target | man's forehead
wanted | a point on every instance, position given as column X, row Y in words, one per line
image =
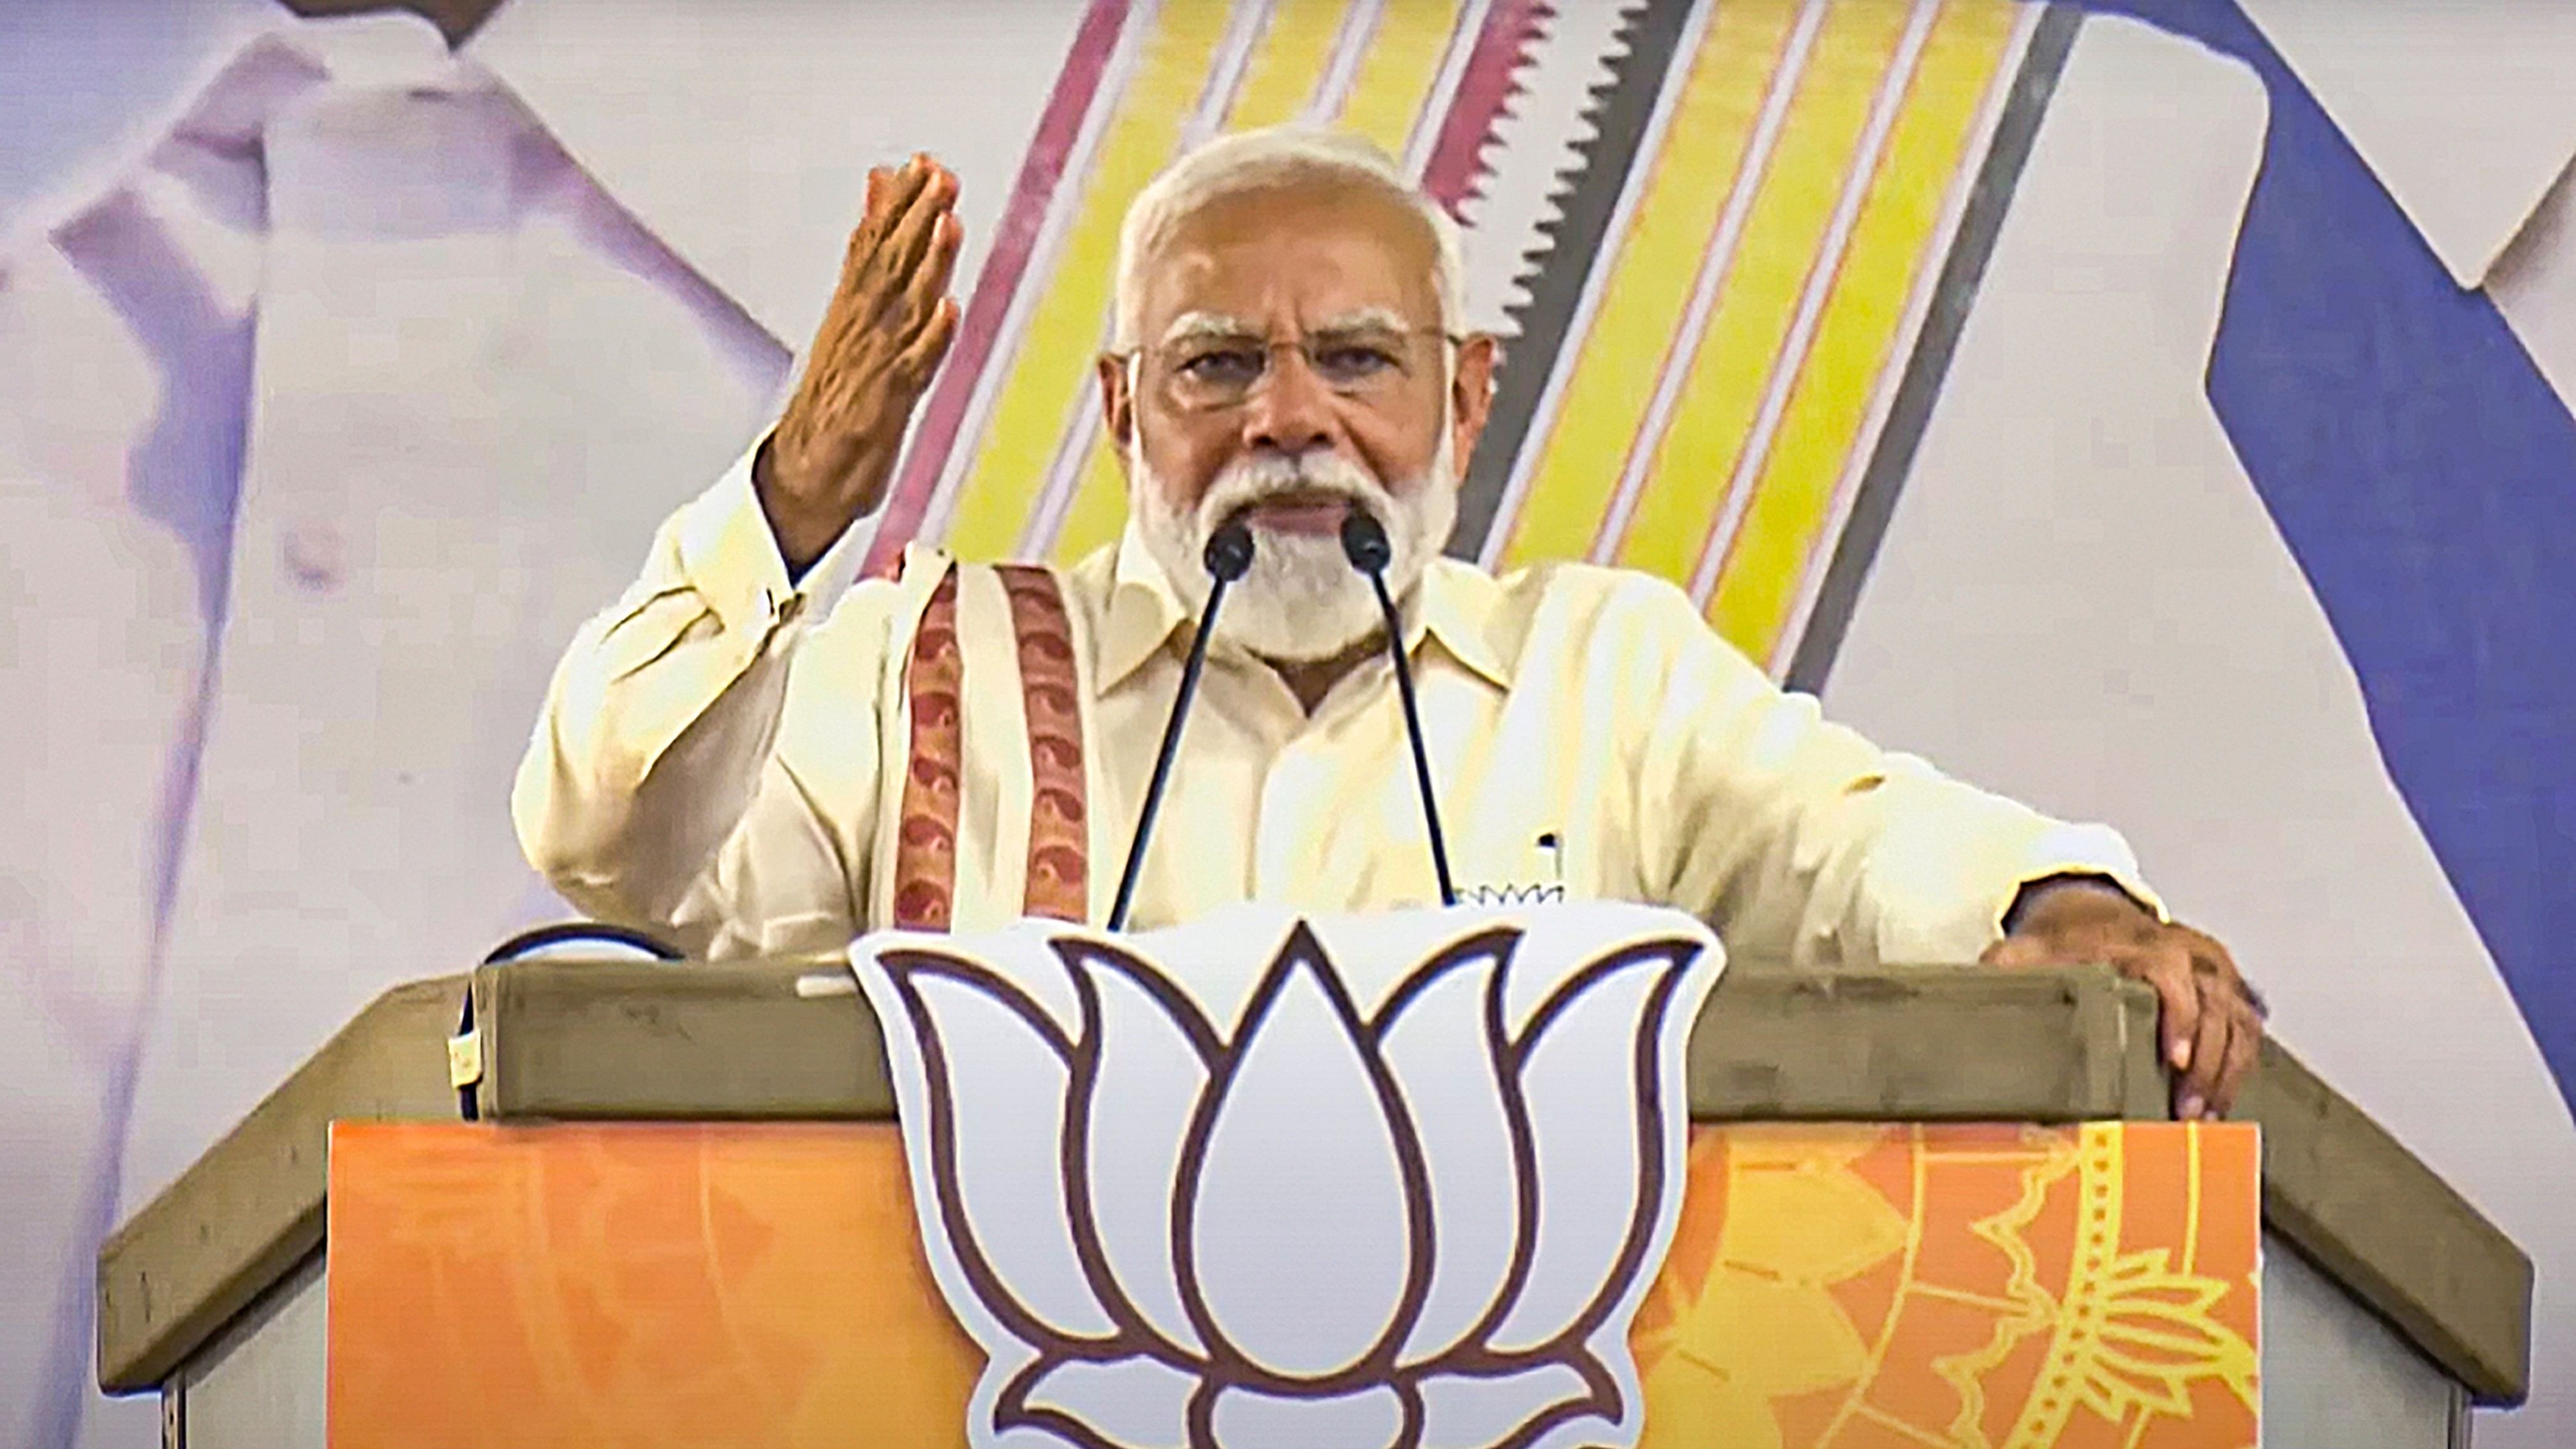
column 1330, row 250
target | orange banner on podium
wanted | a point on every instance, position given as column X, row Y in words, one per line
column 1987, row 1287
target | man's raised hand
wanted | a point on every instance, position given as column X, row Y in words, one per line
column 889, row 324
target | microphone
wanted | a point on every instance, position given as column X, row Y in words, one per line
column 1364, row 543
column 1228, row 557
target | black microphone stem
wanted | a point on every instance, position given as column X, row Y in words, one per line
column 1413, row 732
column 1227, row 556
column 1364, row 543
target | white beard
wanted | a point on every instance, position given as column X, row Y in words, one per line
column 1302, row 600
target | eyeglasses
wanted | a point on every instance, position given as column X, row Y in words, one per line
column 1214, row 371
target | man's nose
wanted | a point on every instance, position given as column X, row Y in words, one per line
column 1292, row 411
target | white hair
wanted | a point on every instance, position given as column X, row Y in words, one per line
column 1250, row 161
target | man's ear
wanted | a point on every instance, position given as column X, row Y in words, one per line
column 1117, row 402
column 1471, row 393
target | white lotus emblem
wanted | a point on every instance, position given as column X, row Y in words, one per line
column 1215, row 1187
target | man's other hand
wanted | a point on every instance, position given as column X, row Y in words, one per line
column 889, row 324
column 2212, row 1021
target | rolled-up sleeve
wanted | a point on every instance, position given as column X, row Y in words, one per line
column 652, row 791
column 1804, row 843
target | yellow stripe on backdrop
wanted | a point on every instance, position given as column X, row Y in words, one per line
column 1296, row 48
column 1850, row 361
column 1047, row 370
column 1632, row 333
column 1399, row 68
column 1782, row 257
column 1385, row 99
column 1780, row 248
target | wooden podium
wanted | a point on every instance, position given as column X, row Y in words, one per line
column 1930, row 1206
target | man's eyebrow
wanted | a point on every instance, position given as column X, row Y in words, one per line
column 1203, row 326
column 1195, row 326
column 1365, row 319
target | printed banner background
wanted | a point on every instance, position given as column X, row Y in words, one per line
column 2151, row 408
column 1829, row 1288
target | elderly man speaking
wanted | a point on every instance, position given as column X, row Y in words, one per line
column 964, row 744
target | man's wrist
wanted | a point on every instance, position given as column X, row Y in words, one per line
column 797, row 548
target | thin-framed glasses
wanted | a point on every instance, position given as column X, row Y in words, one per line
column 1208, row 372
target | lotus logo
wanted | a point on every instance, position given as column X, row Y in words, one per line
column 1217, row 1187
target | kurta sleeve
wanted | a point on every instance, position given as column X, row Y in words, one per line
column 659, row 787
column 1804, row 843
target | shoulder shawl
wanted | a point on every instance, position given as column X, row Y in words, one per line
column 989, row 818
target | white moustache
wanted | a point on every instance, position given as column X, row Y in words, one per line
column 1301, row 598
column 1251, row 481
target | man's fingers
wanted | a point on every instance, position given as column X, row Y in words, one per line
column 910, row 196
column 2016, row 953
column 913, row 247
column 2167, row 968
column 2244, row 1049
column 871, row 228
column 919, row 224
column 907, row 182
column 890, row 191
column 920, row 356
column 869, row 214
column 929, row 281
column 2203, row 1087
column 2226, row 995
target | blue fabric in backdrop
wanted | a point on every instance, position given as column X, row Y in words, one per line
column 2423, row 473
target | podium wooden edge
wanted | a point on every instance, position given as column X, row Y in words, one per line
column 2378, row 1221
column 771, row 1040
column 251, row 1207
column 790, row 1039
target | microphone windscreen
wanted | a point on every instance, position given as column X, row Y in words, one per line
column 1228, row 555
column 1364, row 541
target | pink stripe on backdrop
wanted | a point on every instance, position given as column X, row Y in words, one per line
column 1457, row 157
column 1005, row 268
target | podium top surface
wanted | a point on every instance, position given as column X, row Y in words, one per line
column 563, row 1040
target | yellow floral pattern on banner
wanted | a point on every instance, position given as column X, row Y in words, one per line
column 1978, row 1287
column 1846, row 1287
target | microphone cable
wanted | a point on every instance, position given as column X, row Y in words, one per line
column 1228, row 557
column 530, row 943
column 1365, row 544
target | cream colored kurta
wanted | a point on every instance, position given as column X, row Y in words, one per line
column 713, row 761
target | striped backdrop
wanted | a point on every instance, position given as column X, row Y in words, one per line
column 1008, row 462
column 1742, row 329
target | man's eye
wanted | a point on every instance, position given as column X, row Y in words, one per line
column 1222, row 365
column 1354, row 360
